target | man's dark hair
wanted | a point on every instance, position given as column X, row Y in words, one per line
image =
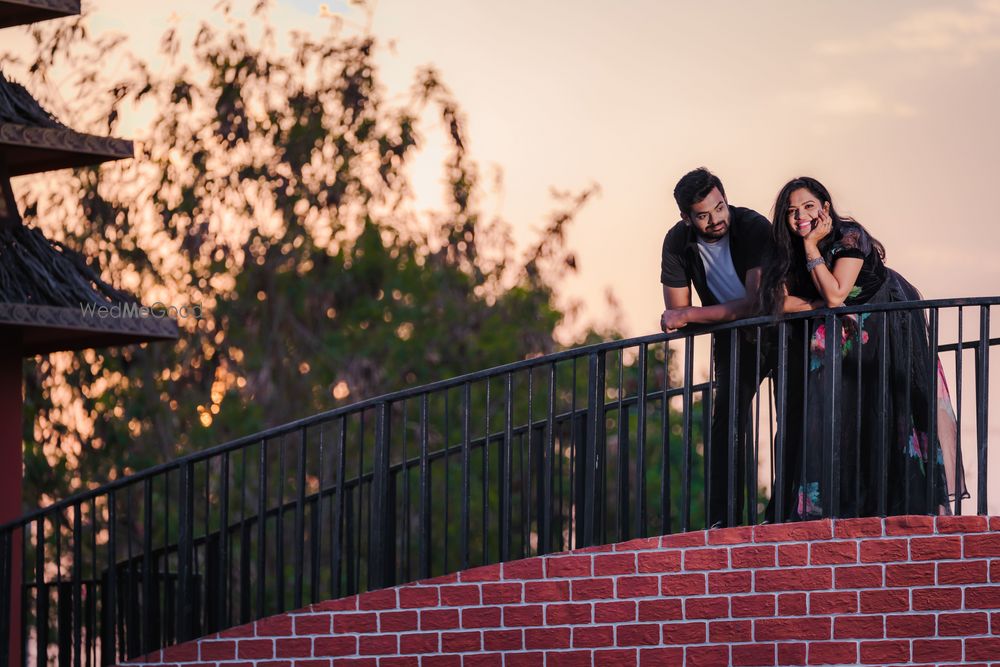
column 693, row 187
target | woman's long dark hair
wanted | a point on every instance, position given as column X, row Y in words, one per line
column 785, row 268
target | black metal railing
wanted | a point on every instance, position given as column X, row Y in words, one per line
column 592, row 445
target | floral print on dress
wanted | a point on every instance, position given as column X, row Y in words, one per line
column 849, row 326
column 808, row 501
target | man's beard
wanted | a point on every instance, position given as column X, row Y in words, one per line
column 719, row 232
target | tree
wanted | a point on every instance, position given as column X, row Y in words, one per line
column 270, row 194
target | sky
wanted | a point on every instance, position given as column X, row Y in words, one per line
column 891, row 104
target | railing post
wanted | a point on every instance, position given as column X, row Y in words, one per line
column 185, row 548
column 831, row 422
column 380, row 569
column 592, row 465
column 982, row 406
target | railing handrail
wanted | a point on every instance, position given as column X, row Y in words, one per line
column 512, row 367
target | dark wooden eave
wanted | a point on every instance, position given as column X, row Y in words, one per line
column 45, row 329
column 31, row 150
column 23, row 12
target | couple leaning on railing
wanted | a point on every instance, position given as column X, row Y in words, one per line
column 895, row 451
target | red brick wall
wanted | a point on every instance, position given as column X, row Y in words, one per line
column 904, row 590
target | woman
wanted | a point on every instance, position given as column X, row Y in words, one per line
column 880, row 449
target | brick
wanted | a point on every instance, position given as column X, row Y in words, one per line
column 659, row 561
column 639, row 544
column 378, row 644
column 287, row 647
column 874, row 602
column 995, row 571
column 692, row 539
column 909, row 525
column 962, row 624
column 388, row 621
column 792, row 604
column 935, row 548
column 791, row 654
column 647, row 634
column 399, row 661
column 568, row 566
column 439, row 619
column 790, row 555
column 737, row 535
column 982, row 597
column 355, row 622
column 523, row 615
column 937, row 650
column 481, row 573
column 638, row 586
column 338, row 662
column 419, row 642
column 706, row 559
column 685, row 633
column 503, row 640
column 936, row 598
column 833, row 553
column 546, row 591
column 666, row 609
column 982, row 648
column 730, row 582
column 791, row 628
column 568, row 614
column 860, row 576
column 730, row 632
column 858, row 627
column 982, row 546
column 459, row 596
column 655, row 657
column 529, row 568
column 546, row 638
column 440, row 580
column 275, row 626
column 794, row 532
column 592, row 589
column 461, row 642
column 314, row 624
column 481, row 617
column 614, row 612
column 706, row 656
column 880, row 653
column 884, row 551
column 482, row 660
column 334, row 646
column 837, row 602
column 383, row 599
column 440, row 661
column 226, row 650
column 614, row 656
column 961, row 524
column 752, row 655
column 910, row 625
column 752, row 557
column 594, row 636
column 569, row 659
column 963, row 572
column 505, row 593
column 417, row 597
column 609, row 564
column 908, row 575
column 864, row 527
column 793, row 579
column 752, row 605
column 706, row 607
column 683, row 584
column 827, row 653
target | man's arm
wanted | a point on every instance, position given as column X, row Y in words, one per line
column 680, row 312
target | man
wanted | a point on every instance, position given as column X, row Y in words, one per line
column 720, row 250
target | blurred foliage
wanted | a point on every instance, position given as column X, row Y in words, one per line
column 270, row 189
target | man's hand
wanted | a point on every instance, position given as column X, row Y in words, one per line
column 673, row 319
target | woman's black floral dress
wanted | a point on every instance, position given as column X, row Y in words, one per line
column 866, row 418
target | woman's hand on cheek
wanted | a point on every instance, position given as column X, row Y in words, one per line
column 824, row 225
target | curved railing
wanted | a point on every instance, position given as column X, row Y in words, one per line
column 591, row 445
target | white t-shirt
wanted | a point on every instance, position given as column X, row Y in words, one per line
column 720, row 274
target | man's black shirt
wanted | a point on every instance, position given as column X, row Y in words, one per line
column 749, row 241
